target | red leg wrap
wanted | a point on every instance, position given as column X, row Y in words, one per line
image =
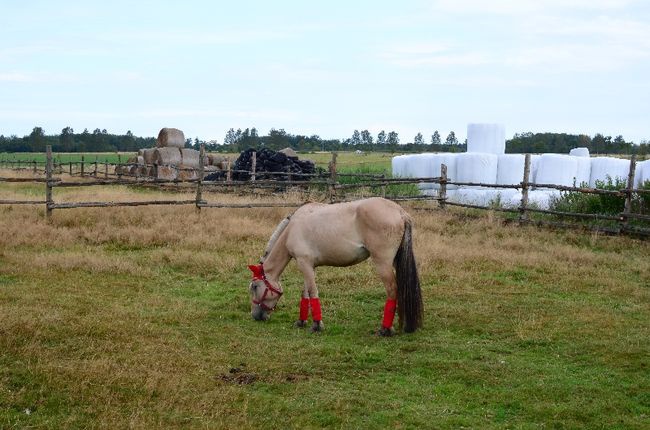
column 316, row 314
column 389, row 313
column 304, row 309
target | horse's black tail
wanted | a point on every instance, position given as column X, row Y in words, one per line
column 409, row 296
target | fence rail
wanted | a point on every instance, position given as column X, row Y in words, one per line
column 328, row 182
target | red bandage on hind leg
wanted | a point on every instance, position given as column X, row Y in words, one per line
column 304, row 309
column 389, row 313
column 316, row 314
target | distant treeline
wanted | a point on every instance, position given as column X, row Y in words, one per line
column 239, row 140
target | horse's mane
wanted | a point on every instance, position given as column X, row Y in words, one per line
column 274, row 237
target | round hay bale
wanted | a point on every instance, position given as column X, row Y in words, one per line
column 289, row 152
column 167, row 156
column 190, row 158
column 216, row 160
column 148, row 155
column 170, row 137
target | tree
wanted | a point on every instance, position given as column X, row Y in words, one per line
column 356, row 138
column 66, row 139
column 393, row 139
column 451, row 139
column 381, row 138
column 36, row 140
column 418, row 139
column 366, row 138
column 435, row 138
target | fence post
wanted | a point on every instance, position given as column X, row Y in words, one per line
column 443, row 186
column 48, row 182
column 228, row 171
column 199, row 184
column 34, row 166
column 254, row 166
column 383, row 185
column 523, row 215
column 82, row 166
column 106, row 170
column 628, row 194
column 332, row 168
column 95, row 172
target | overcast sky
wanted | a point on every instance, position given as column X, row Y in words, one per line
column 326, row 68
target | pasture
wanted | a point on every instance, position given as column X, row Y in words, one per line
column 140, row 318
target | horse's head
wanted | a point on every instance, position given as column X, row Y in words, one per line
column 264, row 295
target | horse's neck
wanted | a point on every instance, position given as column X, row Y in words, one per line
column 277, row 259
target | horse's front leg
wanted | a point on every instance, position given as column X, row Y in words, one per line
column 304, row 308
column 309, row 297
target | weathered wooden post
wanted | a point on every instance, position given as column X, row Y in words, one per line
column 442, row 195
column 525, row 184
column 383, row 185
column 228, row 171
column 70, row 168
column 628, row 194
column 106, row 170
column 82, row 165
column 254, row 166
column 48, row 182
column 33, row 166
column 95, row 171
column 332, row 169
column 199, row 184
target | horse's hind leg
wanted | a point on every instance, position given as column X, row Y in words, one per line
column 385, row 270
column 310, row 291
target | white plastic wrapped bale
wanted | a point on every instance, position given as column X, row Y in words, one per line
column 542, row 199
column 604, row 167
column 510, row 169
column 482, row 197
column 534, row 165
column 557, row 169
column 583, row 175
column 579, row 152
column 486, row 138
column 419, row 166
column 447, row 159
column 642, row 174
column 476, row 168
column 398, row 165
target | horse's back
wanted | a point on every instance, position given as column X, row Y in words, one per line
column 345, row 233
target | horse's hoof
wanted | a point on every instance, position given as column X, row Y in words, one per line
column 386, row 332
column 317, row 326
column 300, row 324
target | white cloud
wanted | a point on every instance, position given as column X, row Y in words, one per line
column 518, row 7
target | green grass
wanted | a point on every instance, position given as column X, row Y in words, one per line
column 139, row 318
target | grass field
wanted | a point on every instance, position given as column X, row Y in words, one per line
column 139, row 318
column 346, row 161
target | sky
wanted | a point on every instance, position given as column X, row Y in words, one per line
column 326, row 67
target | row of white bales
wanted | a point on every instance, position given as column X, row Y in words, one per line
column 575, row 169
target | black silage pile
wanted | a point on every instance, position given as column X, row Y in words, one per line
column 269, row 161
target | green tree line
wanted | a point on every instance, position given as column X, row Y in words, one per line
column 362, row 140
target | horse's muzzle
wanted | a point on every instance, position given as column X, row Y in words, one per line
column 259, row 314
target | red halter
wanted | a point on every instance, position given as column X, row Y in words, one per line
column 259, row 275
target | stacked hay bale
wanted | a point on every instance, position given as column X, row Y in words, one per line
column 169, row 160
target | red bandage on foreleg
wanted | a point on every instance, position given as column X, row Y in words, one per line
column 389, row 313
column 316, row 314
column 304, row 309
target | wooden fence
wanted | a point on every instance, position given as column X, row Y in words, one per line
column 330, row 182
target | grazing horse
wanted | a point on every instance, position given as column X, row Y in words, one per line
column 342, row 234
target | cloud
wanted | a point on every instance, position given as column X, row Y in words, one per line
column 509, row 7
column 15, row 77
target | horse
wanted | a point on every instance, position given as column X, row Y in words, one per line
column 342, row 234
